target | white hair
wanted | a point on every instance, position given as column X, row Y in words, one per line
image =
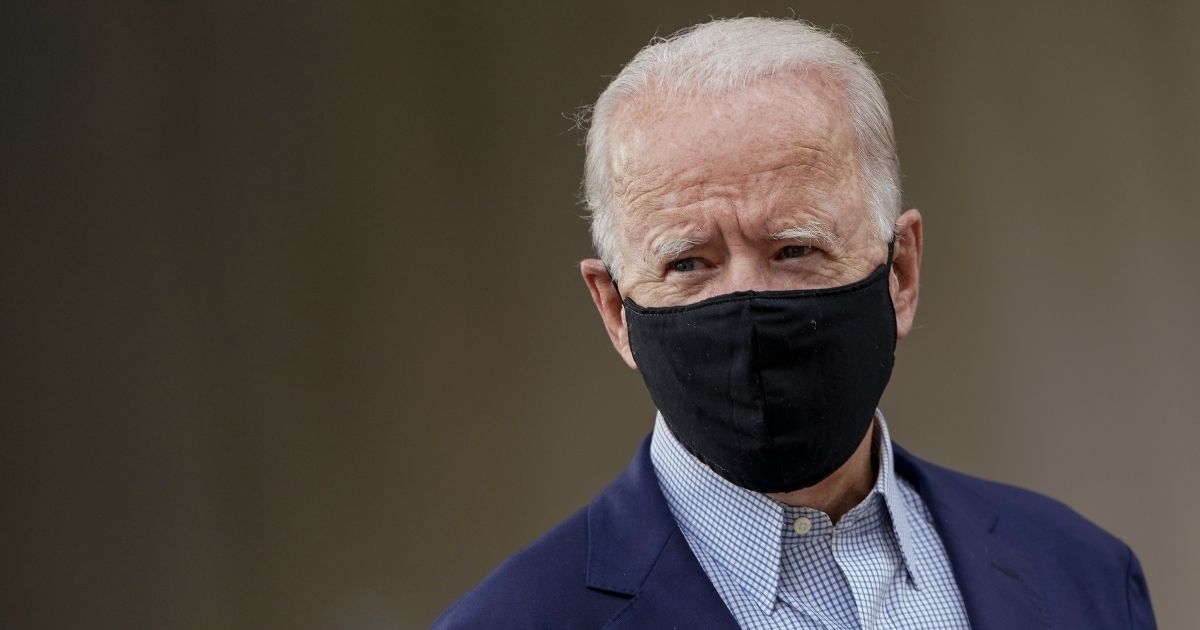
column 721, row 56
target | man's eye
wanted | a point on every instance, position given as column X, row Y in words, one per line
column 795, row 251
column 685, row 264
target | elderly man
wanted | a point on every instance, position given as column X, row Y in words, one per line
column 756, row 268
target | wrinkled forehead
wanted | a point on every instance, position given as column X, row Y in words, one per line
column 669, row 144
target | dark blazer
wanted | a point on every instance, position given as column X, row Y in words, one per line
column 1022, row 562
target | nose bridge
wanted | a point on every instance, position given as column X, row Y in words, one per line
column 747, row 272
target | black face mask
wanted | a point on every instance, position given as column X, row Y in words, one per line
column 774, row 390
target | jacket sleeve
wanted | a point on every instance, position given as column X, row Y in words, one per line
column 1141, row 615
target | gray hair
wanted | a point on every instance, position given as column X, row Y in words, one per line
column 719, row 57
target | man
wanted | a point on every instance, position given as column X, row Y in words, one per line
column 756, row 268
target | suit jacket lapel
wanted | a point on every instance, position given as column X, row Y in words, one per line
column 994, row 576
column 676, row 594
column 636, row 549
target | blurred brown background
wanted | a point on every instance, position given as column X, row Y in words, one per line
column 293, row 335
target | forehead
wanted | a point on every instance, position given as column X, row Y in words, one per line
column 793, row 129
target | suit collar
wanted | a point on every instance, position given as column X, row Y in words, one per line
column 994, row 575
column 636, row 549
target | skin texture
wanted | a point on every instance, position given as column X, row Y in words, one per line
column 754, row 190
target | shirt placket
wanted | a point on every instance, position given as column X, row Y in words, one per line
column 811, row 580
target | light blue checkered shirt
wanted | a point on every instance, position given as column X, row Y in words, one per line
column 775, row 566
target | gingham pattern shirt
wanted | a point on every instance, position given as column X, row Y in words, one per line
column 775, row 566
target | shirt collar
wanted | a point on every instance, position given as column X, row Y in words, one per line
column 742, row 530
column 887, row 486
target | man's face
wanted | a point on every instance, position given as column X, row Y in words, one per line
column 756, row 190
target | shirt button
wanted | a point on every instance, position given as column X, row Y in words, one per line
column 802, row 525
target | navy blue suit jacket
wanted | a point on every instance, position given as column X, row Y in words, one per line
column 1022, row 562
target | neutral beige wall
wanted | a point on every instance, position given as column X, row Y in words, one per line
column 293, row 333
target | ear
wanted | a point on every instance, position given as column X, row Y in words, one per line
column 906, row 270
column 608, row 302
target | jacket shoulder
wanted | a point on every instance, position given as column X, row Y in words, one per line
column 1034, row 514
column 1085, row 569
column 542, row 586
column 1084, row 576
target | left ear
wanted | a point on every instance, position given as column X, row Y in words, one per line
column 906, row 270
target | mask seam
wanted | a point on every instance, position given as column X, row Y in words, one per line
column 762, row 398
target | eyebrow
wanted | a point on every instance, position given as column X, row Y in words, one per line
column 812, row 232
column 670, row 248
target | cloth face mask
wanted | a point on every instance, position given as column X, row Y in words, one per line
column 773, row 390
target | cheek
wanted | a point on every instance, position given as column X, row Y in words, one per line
column 658, row 293
column 835, row 273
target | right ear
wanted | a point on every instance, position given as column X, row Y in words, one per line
column 608, row 302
